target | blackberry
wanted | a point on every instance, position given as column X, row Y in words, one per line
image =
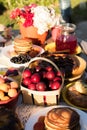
column 14, row 59
column 20, row 59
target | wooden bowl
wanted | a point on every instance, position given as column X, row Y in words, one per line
column 12, row 101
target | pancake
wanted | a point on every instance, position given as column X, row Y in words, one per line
column 62, row 119
column 22, row 45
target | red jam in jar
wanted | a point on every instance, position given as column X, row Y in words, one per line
column 66, row 42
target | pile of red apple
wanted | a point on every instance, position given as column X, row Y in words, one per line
column 41, row 78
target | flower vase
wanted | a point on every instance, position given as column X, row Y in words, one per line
column 31, row 32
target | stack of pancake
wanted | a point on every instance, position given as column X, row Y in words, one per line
column 22, row 45
column 62, row 118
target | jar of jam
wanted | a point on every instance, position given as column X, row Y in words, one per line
column 67, row 41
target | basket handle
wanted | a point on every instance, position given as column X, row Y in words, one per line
column 51, row 62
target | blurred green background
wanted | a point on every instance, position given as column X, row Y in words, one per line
column 79, row 8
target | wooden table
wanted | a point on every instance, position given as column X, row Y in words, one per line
column 25, row 110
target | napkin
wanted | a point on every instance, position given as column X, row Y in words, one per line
column 84, row 46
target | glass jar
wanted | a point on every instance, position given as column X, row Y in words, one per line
column 56, row 32
column 67, row 41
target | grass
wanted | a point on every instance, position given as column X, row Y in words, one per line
column 78, row 14
column 79, row 11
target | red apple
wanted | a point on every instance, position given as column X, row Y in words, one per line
column 32, row 86
column 49, row 68
column 41, row 86
column 50, row 75
column 26, row 73
column 55, row 85
column 26, row 81
column 38, row 68
column 35, row 78
column 57, row 79
column 59, row 73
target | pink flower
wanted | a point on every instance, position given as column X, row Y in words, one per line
column 28, row 20
column 24, row 13
column 15, row 13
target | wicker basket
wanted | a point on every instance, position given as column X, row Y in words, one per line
column 44, row 98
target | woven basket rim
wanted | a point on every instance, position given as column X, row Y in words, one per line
column 44, row 93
